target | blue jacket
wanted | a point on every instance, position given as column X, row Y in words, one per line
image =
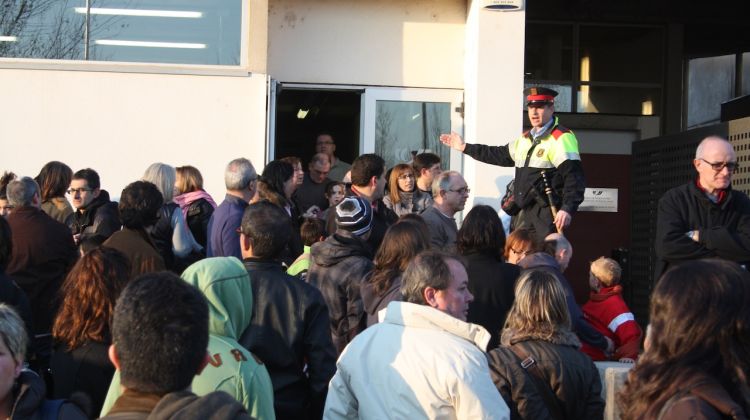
column 223, row 240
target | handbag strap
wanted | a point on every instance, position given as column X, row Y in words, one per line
column 542, row 383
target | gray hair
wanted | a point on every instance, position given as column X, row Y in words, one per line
column 12, row 332
column 428, row 269
column 700, row 150
column 442, row 182
column 239, row 174
column 21, row 191
column 163, row 176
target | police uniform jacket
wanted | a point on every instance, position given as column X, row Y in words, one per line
column 556, row 153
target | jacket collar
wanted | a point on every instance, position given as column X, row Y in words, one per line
column 722, row 196
column 605, row 292
column 422, row 316
column 509, row 337
column 255, row 263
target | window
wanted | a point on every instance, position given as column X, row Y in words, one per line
column 613, row 69
column 155, row 31
column 710, row 82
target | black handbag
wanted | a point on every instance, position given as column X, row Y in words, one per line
column 507, row 203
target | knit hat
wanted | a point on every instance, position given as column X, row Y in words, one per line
column 355, row 215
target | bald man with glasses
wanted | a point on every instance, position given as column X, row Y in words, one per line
column 704, row 218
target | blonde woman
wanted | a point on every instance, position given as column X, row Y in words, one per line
column 538, row 368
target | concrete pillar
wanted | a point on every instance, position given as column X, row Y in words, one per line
column 493, row 94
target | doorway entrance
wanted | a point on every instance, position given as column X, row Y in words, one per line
column 392, row 122
column 303, row 113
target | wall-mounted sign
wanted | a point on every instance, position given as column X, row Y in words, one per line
column 599, row 199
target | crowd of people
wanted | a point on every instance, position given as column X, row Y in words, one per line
column 350, row 291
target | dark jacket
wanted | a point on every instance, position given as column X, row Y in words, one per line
column 492, row 282
column 382, row 219
column 101, row 219
column 724, row 228
column 86, row 369
column 571, row 375
column 374, row 302
column 338, row 266
column 223, row 240
column 161, row 233
column 140, row 250
column 12, row 295
column 43, row 252
column 182, row 405
column 290, row 333
column 198, row 215
column 585, row 331
column 701, row 398
column 566, row 177
column 29, row 399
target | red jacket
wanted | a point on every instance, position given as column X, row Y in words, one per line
column 609, row 315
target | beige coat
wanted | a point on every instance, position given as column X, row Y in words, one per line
column 419, row 363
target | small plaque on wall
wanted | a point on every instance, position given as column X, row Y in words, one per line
column 599, row 199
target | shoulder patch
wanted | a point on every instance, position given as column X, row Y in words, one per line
column 558, row 132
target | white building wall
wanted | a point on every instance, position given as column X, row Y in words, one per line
column 416, row 43
column 119, row 123
column 493, row 95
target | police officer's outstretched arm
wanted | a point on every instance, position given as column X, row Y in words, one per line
column 494, row 155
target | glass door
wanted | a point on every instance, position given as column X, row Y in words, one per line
column 400, row 122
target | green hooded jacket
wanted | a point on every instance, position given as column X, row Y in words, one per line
column 232, row 368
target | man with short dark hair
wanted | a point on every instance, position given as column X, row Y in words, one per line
column 240, row 179
column 704, row 218
column 450, row 192
column 413, row 353
column 324, row 143
column 43, row 252
column 139, row 206
column 290, row 326
column 368, row 182
column 159, row 342
column 426, row 167
column 96, row 217
column 310, row 197
column 338, row 266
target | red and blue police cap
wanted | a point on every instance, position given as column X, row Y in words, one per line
column 539, row 96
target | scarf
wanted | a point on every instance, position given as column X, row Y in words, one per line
column 184, row 200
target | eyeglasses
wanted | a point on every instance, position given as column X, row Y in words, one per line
column 464, row 190
column 72, row 191
column 406, row 176
column 524, row 253
column 719, row 166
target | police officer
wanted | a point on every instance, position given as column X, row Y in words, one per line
column 547, row 147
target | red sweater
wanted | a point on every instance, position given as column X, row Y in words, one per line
column 608, row 313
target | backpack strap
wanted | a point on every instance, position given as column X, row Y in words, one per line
column 540, row 380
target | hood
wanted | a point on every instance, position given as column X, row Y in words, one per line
column 563, row 337
column 187, row 406
column 341, row 245
column 605, row 292
column 226, row 285
column 100, row 200
column 539, row 259
column 30, row 396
